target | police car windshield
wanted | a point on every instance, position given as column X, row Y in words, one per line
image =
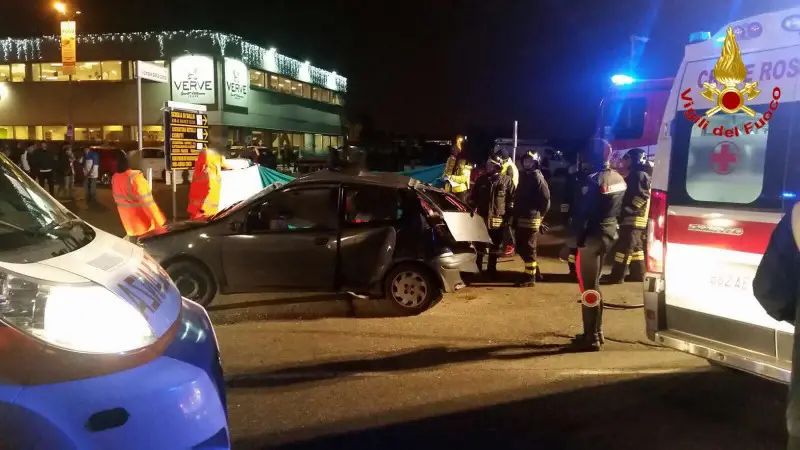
column 33, row 227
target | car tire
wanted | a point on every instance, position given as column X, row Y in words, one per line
column 410, row 289
column 193, row 281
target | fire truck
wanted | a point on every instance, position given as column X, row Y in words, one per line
column 631, row 114
column 721, row 183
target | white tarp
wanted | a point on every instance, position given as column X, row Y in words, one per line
column 239, row 184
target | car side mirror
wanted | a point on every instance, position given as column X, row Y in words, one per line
column 236, row 226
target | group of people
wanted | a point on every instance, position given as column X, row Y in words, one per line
column 604, row 210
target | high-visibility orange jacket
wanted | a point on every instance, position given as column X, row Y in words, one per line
column 138, row 211
column 205, row 187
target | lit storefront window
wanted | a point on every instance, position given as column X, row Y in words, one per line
column 21, row 132
column 89, row 134
column 51, row 133
column 113, row 133
column 48, row 72
column 257, row 78
column 6, row 132
column 150, row 133
column 13, row 72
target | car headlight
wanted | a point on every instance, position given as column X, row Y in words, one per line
column 84, row 317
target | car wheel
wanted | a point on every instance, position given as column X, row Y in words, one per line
column 410, row 289
column 193, row 281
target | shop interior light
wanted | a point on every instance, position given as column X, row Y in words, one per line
column 621, row 79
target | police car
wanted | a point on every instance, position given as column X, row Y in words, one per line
column 721, row 182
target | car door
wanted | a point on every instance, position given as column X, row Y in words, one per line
column 289, row 243
column 370, row 218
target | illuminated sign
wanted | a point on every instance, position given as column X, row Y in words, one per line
column 186, row 135
column 237, row 83
column 68, row 50
column 193, row 79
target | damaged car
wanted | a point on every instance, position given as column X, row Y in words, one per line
column 377, row 235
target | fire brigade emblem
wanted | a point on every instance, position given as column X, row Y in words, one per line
column 731, row 72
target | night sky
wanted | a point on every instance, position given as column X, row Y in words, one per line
column 438, row 66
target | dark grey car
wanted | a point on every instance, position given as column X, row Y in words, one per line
column 379, row 235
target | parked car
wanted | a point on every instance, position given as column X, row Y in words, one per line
column 377, row 235
column 150, row 158
column 107, row 166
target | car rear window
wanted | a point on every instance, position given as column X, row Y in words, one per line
column 444, row 201
column 739, row 172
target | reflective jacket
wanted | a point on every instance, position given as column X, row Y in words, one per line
column 572, row 191
column 636, row 202
column 459, row 172
column 493, row 196
column 532, row 200
column 138, row 211
column 205, row 187
column 776, row 286
column 510, row 169
column 595, row 215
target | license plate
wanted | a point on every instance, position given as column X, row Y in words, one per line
column 735, row 282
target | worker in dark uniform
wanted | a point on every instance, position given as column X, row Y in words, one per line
column 593, row 232
column 572, row 195
column 493, row 196
column 531, row 203
column 633, row 220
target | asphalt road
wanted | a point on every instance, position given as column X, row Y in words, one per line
column 484, row 368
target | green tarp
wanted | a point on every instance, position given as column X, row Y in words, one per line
column 430, row 175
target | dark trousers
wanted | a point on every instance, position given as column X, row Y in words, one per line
column 527, row 239
column 629, row 254
column 573, row 252
column 49, row 178
column 91, row 189
column 491, row 250
column 589, row 264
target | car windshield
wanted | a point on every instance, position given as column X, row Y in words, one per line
column 232, row 209
column 34, row 227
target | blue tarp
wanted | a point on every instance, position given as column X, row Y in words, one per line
column 428, row 175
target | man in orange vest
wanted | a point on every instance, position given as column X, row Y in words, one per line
column 205, row 187
column 138, row 211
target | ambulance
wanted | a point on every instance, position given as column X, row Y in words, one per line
column 631, row 114
column 721, row 183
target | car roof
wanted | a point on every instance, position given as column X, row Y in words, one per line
column 393, row 180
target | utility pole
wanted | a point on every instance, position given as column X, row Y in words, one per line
column 69, row 41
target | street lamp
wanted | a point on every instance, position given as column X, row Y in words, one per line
column 64, row 10
column 68, row 15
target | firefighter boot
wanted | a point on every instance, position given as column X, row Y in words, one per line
column 491, row 266
column 635, row 272
column 529, row 276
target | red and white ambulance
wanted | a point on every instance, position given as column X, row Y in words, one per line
column 720, row 185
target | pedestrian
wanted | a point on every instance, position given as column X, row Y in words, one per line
column 45, row 163
column 457, row 171
column 91, row 171
column 776, row 286
column 593, row 232
column 493, row 196
column 25, row 160
column 206, row 183
column 267, row 159
column 137, row 209
column 66, row 172
column 633, row 220
column 579, row 175
column 531, row 203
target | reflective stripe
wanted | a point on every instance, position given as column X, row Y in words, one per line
column 619, row 257
column 613, row 188
column 496, row 222
column 529, row 223
column 636, row 222
column 565, row 207
column 571, row 258
column 638, row 202
column 637, row 256
column 530, row 268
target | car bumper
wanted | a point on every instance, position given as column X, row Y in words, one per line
column 450, row 268
column 175, row 401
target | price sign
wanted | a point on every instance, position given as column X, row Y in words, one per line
column 186, row 134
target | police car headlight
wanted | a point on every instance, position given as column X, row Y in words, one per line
column 83, row 317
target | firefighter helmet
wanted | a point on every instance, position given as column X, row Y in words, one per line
column 637, row 156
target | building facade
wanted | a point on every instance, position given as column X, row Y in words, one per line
column 251, row 93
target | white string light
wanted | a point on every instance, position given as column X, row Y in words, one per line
column 254, row 56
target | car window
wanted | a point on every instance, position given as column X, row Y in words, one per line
column 152, row 153
column 444, row 201
column 297, row 209
column 745, row 171
column 372, row 204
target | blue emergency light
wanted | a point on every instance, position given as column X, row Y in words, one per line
column 699, row 36
column 621, row 79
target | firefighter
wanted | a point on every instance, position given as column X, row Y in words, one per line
column 457, row 171
column 572, row 195
column 493, row 196
column 206, row 183
column 531, row 203
column 633, row 220
column 593, row 231
column 138, row 212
